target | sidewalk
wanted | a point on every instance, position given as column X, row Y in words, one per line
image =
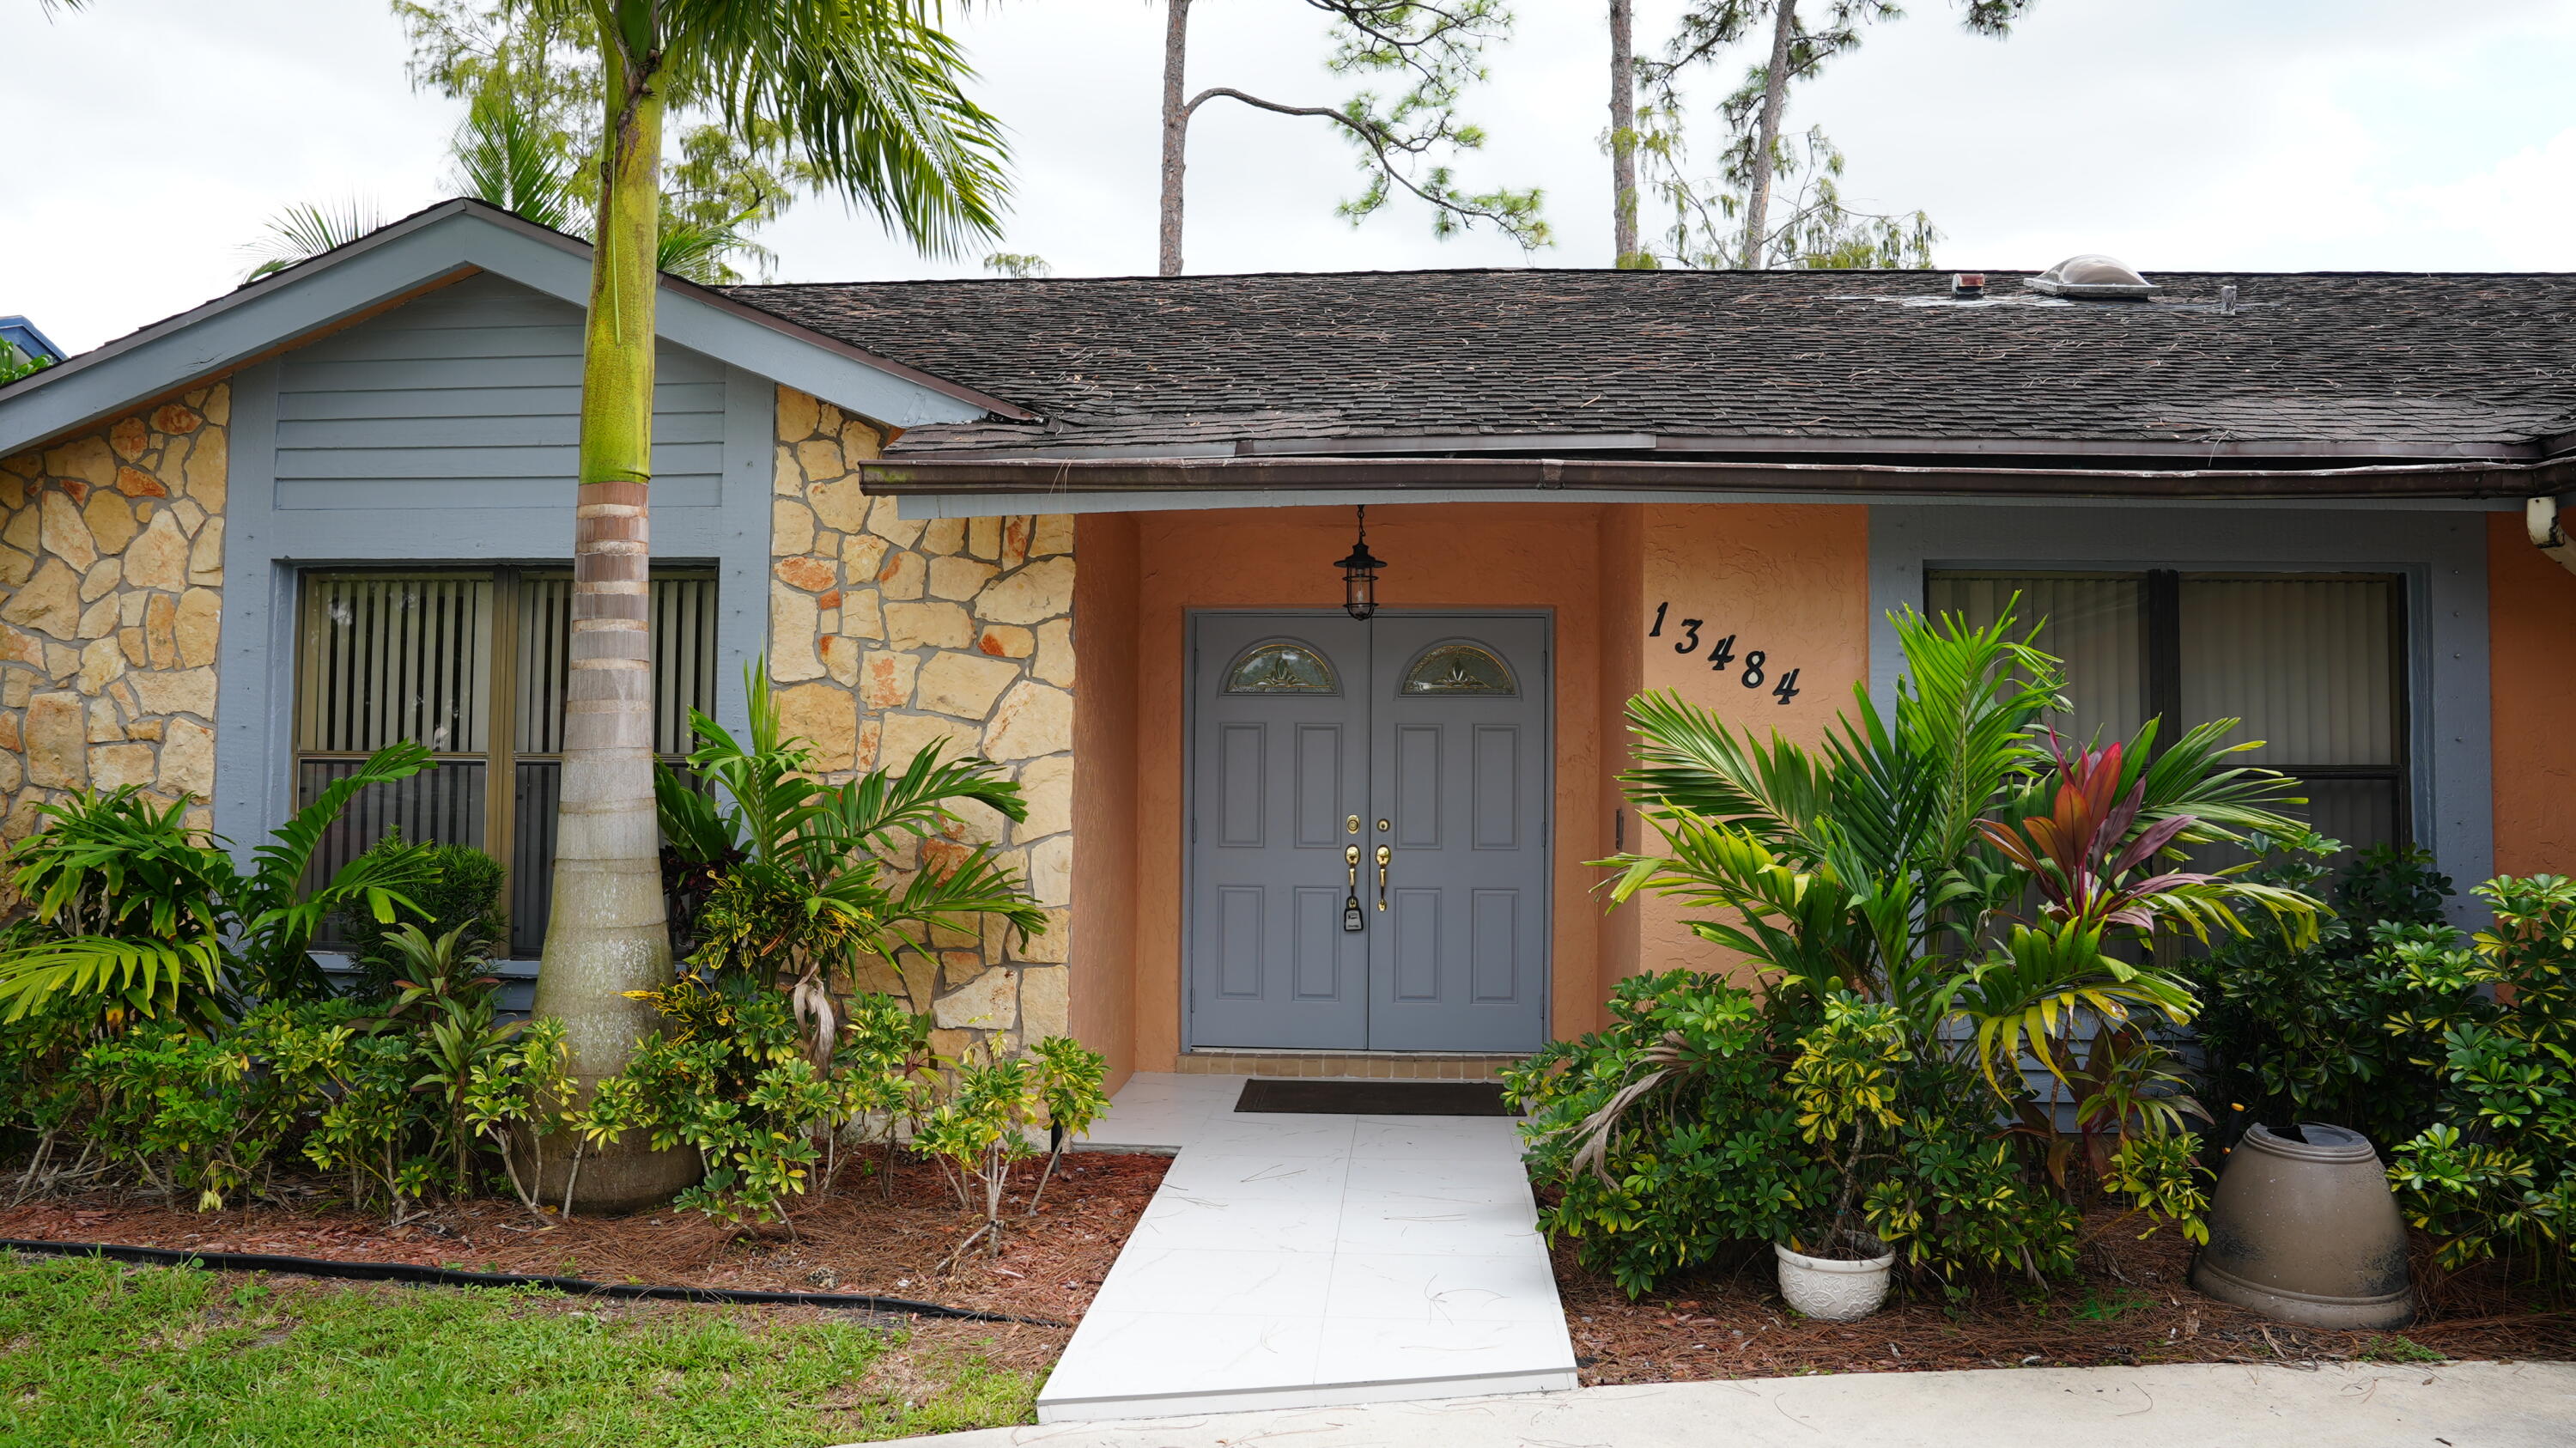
column 1294, row 1260
column 2464, row 1405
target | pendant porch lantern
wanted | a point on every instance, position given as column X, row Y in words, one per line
column 1359, row 575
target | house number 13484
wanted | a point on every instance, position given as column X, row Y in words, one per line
column 1751, row 668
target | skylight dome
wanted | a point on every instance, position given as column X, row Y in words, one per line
column 2091, row 275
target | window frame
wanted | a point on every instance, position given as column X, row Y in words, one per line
column 501, row 690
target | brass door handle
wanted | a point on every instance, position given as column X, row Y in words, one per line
column 1351, row 857
column 1383, row 855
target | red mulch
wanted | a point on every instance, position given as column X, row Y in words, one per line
column 852, row 1241
column 2129, row 1305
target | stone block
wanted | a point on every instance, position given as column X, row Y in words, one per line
column 862, row 616
column 15, row 567
column 110, row 519
column 170, row 417
column 810, row 574
column 198, row 630
column 1046, row 1003
column 826, row 716
column 1052, row 946
column 207, row 458
column 57, row 737
column 129, row 437
column 841, row 659
column 784, row 480
column 176, row 691
column 1015, row 541
column 958, row 578
column 903, row 735
column 990, row 1001
column 158, row 558
column 218, row 406
column 88, row 459
column 1033, row 719
column 794, row 625
column 984, row 538
column 1053, row 535
column 98, row 620
column 206, row 555
column 964, row 684
column 886, row 678
column 943, row 536
column 860, row 442
column 886, row 522
column 24, row 530
column 66, row 534
column 102, row 578
column 903, row 576
column 821, row 459
column 791, row 528
column 1047, row 784
column 188, row 760
column 862, row 554
column 1051, row 870
column 797, row 414
column 50, row 601
column 1006, row 641
column 106, row 726
column 928, row 625
column 840, row 504
column 1055, row 653
column 113, row 766
column 136, row 483
column 1035, row 593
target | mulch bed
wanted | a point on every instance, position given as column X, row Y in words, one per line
column 852, row 1241
column 2129, row 1305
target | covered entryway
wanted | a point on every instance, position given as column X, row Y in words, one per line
column 1368, row 831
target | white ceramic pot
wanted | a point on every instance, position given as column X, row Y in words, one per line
column 1836, row 1291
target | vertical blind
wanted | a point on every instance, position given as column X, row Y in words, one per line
column 2311, row 663
column 388, row 656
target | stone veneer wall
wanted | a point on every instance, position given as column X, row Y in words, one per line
column 111, row 603
column 886, row 634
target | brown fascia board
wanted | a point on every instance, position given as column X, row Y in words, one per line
column 1219, row 475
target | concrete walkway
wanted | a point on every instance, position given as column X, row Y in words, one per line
column 2465, row 1405
column 1298, row 1260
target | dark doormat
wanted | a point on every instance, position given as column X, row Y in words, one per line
column 1375, row 1098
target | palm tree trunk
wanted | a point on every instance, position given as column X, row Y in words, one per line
column 1623, row 137
column 1176, row 130
column 1766, row 137
column 607, row 934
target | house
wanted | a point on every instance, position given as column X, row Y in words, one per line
column 1096, row 530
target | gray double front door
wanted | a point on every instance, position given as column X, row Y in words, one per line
column 1368, row 832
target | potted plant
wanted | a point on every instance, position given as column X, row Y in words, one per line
column 1844, row 1085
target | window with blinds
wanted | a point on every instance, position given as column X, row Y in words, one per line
column 2313, row 663
column 472, row 664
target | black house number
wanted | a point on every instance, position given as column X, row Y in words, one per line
column 1751, row 667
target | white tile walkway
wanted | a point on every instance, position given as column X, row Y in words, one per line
column 1309, row 1261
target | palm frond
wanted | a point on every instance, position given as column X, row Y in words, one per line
column 869, row 92
column 307, row 229
column 148, row 974
column 505, row 156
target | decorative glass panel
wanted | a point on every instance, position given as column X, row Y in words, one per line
column 1458, row 669
column 1285, row 667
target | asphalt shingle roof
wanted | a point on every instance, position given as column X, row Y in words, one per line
column 2345, row 363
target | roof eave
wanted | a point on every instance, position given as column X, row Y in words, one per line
column 1070, row 477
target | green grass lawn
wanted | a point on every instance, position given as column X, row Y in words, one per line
column 97, row 1353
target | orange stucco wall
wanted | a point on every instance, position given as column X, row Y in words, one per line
column 1103, row 980
column 2531, row 623
column 1791, row 581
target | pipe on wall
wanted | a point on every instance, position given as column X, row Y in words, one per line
column 2547, row 527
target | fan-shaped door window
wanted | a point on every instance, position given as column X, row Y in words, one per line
column 1281, row 666
column 1456, row 669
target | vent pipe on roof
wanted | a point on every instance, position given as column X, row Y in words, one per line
column 1967, row 284
column 2546, row 525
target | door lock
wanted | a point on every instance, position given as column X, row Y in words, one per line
column 1351, row 917
column 1383, row 855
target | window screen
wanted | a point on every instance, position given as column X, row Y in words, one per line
column 472, row 664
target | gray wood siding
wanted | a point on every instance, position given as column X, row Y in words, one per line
column 470, row 397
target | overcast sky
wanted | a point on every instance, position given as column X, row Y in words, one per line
column 149, row 139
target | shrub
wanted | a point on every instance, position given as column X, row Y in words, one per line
column 2496, row 1025
column 454, row 888
column 2297, row 1032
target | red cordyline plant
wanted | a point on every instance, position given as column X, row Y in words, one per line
column 2078, row 853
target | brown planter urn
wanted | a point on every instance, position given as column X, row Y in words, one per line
column 2304, row 1229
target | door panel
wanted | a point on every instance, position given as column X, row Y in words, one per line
column 1459, row 713
column 1437, row 725
column 1280, row 762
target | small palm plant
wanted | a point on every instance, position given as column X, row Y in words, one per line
column 804, row 875
column 127, row 905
